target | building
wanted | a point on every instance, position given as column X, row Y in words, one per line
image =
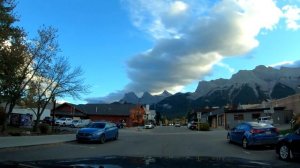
column 290, row 103
column 68, row 110
column 228, row 118
column 129, row 114
column 150, row 114
column 108, row 112
column 23, row 116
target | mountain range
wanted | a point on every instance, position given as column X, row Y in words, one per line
column 146, row 98
column 244, row 87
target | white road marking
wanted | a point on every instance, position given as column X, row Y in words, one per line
column 247, row 152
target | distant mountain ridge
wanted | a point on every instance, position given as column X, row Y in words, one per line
column 244, row 87
column 264, row 82
column 146, row 98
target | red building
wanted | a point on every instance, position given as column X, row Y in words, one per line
column 115, row 112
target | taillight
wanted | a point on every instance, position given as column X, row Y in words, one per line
column 276, row 130
column 256, row 131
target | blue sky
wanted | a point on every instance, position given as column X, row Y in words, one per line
column 139, row 45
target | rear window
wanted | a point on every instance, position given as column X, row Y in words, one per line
column 260, row 125
column 97, row 125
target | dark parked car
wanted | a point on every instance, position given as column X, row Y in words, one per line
column 253, row 133
column 120, row 125
column 98, row 131
column 288, row 147
column 49, row 120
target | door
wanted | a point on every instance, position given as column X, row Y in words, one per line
column 240, row 131
column 235, row 133
column 296, row 143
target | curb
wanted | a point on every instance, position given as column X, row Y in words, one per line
column 42, row 144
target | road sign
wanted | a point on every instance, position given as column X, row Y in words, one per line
column 199, row 115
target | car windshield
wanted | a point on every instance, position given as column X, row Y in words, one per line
column 97, row 125
column 150, row 78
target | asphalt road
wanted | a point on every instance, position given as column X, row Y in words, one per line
column 161, row 142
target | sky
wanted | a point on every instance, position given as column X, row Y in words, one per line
column 157, row 45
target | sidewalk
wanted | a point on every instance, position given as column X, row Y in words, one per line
column 17, row 141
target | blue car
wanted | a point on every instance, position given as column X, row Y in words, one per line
column 253, row 133
column 98, row 131
column 288, row 147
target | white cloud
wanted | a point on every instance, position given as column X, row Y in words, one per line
column 291, row 64
column 192, row 36
column 292, row 15
column 226, row 66
column 178, row 7
column 228, row 28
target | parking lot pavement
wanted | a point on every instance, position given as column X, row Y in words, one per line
column 161, row 142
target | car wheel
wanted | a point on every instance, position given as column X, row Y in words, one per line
column 245, row 143
column 284, row 152
column 102, row 139
column 228, row 138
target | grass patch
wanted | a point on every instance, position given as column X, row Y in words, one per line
column 283, row 132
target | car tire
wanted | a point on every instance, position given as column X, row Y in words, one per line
column 245, row 143
column 228, row 138
column 102, row 139
column 284, row 152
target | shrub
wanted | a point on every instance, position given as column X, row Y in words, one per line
column 297, row 122
column 204, row 127
column 44, row 128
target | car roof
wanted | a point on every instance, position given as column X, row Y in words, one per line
column 104, row 122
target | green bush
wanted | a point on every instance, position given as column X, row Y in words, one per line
column 204, row 127
column 44, row 128
column 297, row 122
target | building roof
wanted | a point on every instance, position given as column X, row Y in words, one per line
column 250, row 110
column 225, row 110
column 106, row 109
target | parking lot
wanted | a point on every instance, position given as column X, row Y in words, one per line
column 168, row 141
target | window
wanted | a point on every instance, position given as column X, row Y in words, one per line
column 255, row 116
column 238, row 116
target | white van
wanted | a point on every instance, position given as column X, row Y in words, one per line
column 266, row 119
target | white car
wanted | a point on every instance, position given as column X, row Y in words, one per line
column 266, row 119
column 64, row 122
column 177, row 125
column 80, row 123
column 149, row 126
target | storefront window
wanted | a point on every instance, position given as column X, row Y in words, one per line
column 239, row 117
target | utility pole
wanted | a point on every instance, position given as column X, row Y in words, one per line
column 53, row 113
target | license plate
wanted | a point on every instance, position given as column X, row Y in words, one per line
column 268, row 132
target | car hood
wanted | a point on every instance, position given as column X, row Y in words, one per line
column 149, row 162
column 90, row 130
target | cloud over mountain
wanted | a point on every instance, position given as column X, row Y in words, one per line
column 192, row 36
column 190, row 40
